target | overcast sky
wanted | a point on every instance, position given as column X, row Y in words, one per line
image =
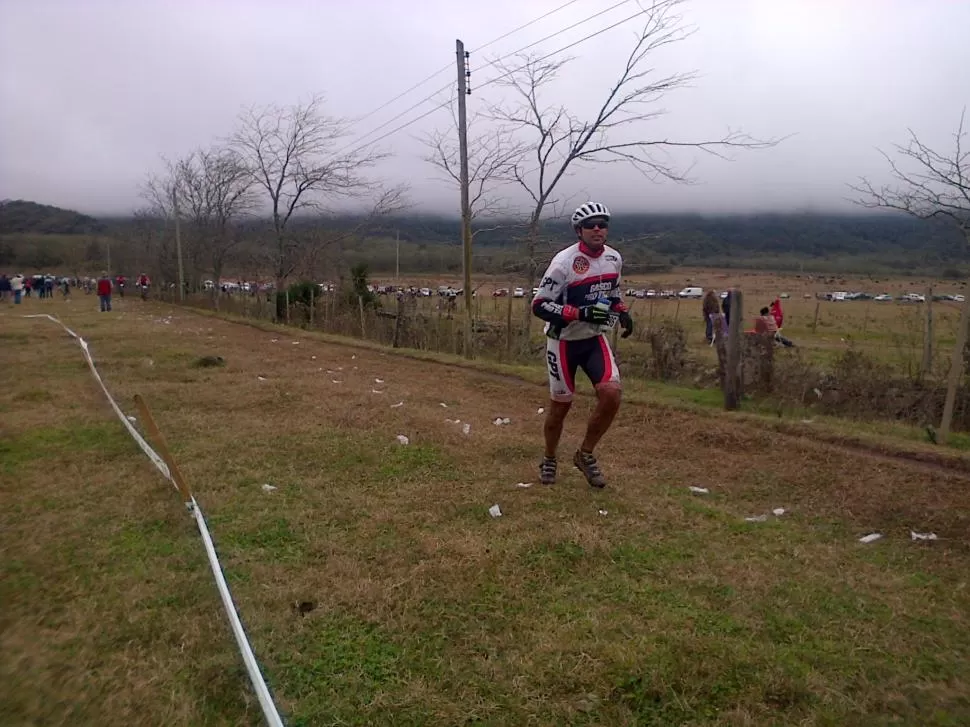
column 92, row 92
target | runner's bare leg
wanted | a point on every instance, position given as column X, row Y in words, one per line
column 552, row 429
column 607, row 405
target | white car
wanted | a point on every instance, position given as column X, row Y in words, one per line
column 518, row 293
column 883, row 298
column 691, row 292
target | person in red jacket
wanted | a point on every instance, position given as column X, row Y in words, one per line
column 104, row 292
column 776, row 313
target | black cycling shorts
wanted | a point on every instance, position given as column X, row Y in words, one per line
column 564, row 358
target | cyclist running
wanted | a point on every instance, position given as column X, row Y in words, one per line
column 579, row 298
column 143, row 284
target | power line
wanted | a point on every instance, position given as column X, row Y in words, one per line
column 499, row 77
column 395, row 118
column 404, row 93
column 449, row 65
column 563, row 30
column 565, row 47
column 403, row 126
column 523, row 27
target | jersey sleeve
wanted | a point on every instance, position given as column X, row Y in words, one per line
column 616, row 295
column 546, row 303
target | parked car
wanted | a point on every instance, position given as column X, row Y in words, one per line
column 883, row 298
column 691, row 292
column 518, row 293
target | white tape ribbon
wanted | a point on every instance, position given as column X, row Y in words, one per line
column 259, row 684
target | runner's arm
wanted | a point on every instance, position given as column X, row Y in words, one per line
column 616, row 296
column 545, row 304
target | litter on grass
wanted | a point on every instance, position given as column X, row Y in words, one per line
column 871, row 537
column 495, row 511
column 268, row 488
column 395, row 406
column 699, row 490
column 402, row 439
column 922, row 536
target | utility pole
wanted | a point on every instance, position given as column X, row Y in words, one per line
column 461, row 57
column 178, row 242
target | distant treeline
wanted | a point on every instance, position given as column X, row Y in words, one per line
column 19, row 216
column 34, row 236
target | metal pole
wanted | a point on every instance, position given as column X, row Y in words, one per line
column 466, row 215
column 178, row 243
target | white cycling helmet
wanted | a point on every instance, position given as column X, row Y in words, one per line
column 590, row 209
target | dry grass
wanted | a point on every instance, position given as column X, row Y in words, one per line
column 670, row 609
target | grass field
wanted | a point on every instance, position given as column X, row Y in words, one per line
column 644, row 604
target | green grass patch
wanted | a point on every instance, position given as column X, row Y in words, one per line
column 107, row 440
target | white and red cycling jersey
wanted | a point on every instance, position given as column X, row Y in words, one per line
column 577, row 277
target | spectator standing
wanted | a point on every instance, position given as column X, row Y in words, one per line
column 104, row 292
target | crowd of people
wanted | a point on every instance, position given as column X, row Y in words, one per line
column 18, row 286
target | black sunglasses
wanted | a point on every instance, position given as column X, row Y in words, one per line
column 593, row 224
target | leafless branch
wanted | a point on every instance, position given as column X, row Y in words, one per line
column 492, row 154
column 292, row 154
column 615, row 133
column 928, row 183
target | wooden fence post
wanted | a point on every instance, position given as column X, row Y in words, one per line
column 956, row 373
column 928, row 335
column 313, row 304
column 360, row 304
column 508, row 326
column 815, row 320
column 397, row 322
column 732, row 377
column 287, row 307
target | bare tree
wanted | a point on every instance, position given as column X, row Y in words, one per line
column 293, row 154
column 159, row 192
column 215, row 188
column 615, row 133
column 493, row 155
column 928, row 184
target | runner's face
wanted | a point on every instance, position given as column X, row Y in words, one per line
column 593, row 231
